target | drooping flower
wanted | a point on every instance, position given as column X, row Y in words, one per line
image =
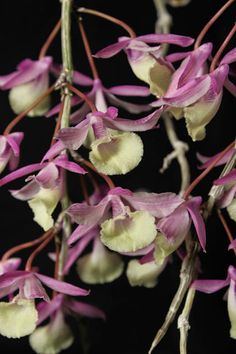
column 18, row 318
column 10, row 150
column 199, row 94
column 100, row 266
column 44, row 190
column 102, row 96
column 115, row 150
column 211, row 286
column 144, row 58
column 143, row 274
column 27, row 83
column 57, row 335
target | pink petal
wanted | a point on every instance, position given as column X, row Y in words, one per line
column 208, row 160
column 193, row 206
column 48, row 175
column 182, row 41
column 80, row 232
column 232, row 245
column 56, row 109
column 14, row 140
column 74, row 137
column 229, row 57
column 112, row 49
column 61, row 286
column 46, row 309
column 129, row 90
column 33, row 289
column 230, row 177
column 27, row 192
column 70, row 166
column 142, row 124
column 128, row 106
column 83, row 309
column 210, row 286
column 21, row 172
column 55, row 150
column 227, row 197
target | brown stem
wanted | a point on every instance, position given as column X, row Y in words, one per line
column 211, row 22
column 106, row 178
column 83, row 96
column 20, row 116
column 49, row 40
column 51, row 234
column 217, row 56
column 112, row 19
column 226, row 227
column 88, row 50
column 207, row 170
column 25, row 245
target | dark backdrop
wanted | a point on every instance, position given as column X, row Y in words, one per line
column 133, row 314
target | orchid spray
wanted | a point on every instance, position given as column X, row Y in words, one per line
column 94, row 220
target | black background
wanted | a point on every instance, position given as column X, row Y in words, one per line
column 133, row 314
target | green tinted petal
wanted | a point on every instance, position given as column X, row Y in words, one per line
column 129, row 233
column 143, row 274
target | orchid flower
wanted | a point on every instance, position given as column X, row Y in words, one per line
column 133, row 223
column 10, row 150
column 115, row 150
column 228, row 198
column 19, row 317
column 210, row 286
column 57, row 335
column 44, row 191
column 27, row 83
column 143, row 58
column 101, row 96
column 199, row 94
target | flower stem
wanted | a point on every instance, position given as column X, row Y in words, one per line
column 20, row 116
column 207, row 170
column 226, row 227
column 83, row 96
column 211, row 22
column 25, row 245
column 49, row 40
column 88, row 50
column 112, row 19
column 217, row 56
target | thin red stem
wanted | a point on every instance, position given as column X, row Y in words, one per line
column 83, row 96
column 226, row 227
column 31, row 258
column 93, row 181
column 112, row 19
column 25, row 245
column 217, row 56
column 49, row 40
column 88, row 50
column 58, row 124
column 207, row 170
column 20, row 116
column 211, row 22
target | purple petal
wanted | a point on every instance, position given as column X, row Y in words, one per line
column 88, row 214
column 55, row 150
column 210, row 286
column 83, row 309
column 112, row 49
column 227, row 197
column 33, row 289
column 158, row 205
column 229, row 58
column 182, row 41
column 172, row 58
column 187, row 94
column 76, row 251
column 128, row 106
column 208, row 160
column 21, row 172
column 147, row 258
column 28, row 70
column 141, row 252
column 61, row 286
column 56, row 109
column 230, row 177
column 176, row 225
column 10, row 278
column 82, row 79
column 193, row 206
column 14, row 140
column 80, row 114
column 138, row 125
column 70, row 166
column 232, row 245
column 46, row 309
column 74, row 137
column 9, row 265
column 232, row 273
column 129, row 90
column 120, row 191
column 81, row 231
column 27, row 192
